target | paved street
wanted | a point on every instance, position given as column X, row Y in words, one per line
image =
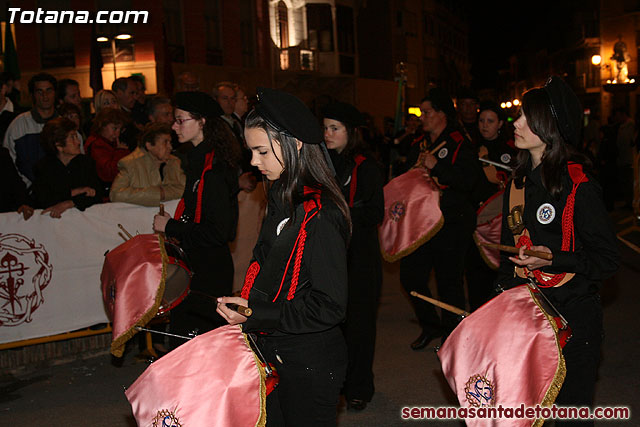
column 90, row 392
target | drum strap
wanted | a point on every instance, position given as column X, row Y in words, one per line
column 311, row 207
column 354, row 178
column 208, row 164
column 516, row 197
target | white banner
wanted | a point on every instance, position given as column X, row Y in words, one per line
column 50, row 268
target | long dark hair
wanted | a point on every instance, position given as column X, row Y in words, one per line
column 220, row 135
column 307, row 167
column 536, row 107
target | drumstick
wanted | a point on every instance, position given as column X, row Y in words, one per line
column 438, row 147
column 499, row 165
column 161, row 209
column 513, row 250
column 245, row 311
column 445, row 306
column 125, row 231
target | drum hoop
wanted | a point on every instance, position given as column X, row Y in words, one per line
column 178, row 262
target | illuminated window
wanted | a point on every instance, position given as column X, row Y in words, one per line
column 283, row 25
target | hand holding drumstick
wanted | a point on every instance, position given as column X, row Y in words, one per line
column 534, row 258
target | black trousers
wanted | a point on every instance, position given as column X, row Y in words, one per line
column 582, row 355
column 312, row 369
column 480, row 277
column 446, row 253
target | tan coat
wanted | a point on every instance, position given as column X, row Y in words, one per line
column 138, row 180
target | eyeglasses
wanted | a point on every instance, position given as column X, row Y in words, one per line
column 181, row 121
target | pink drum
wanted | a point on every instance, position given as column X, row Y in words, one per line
column 489, row 228
column 508, row 352
column 213, row 379
column 412, row 214
column 141, row 278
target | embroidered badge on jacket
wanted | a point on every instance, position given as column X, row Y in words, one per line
column 443, row 153
column 546, row 213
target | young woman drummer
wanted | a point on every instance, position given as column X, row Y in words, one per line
column 563, row 214
column 359, row 178
column 207, row 215
column 297, row 283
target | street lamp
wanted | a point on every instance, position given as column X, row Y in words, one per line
column 104, row 39
column 596, row 59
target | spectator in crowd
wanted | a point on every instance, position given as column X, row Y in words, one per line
column 64, row 178
column 139, row 111
column 105, row 99
column 13, row 92
column 150, row 175
column 7, row 112
column 188, row 82
column 467, row 107
column 73, row 113
column 242, row 105
column 13, row 192
column 159, row 110
column 225, row 94
column 22, row 138
column 104, row 144
column 69, row 91
column 125, row 90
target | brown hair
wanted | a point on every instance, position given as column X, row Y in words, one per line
column 54, row 134
column 151, row 132
column 107, row 116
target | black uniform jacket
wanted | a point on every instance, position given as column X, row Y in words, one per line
column 54, row 181
column 320, row 299
column 499, row 151
column 596, row 254
column 457, row 171
column 219, row 217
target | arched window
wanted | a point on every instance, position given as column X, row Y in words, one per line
column 283, row 25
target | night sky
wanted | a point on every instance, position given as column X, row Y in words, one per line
column 497, row 29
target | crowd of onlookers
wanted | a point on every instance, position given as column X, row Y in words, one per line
column 62, row 152
column 123, row 148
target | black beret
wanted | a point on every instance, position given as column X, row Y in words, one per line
column 199, row 103
column 343, row 112
column 286, row 113
column 441, row 101
column 565, row 108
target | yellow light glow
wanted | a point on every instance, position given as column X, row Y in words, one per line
column 415, row 110
column 508, row 104
column 632, row 81
column 516, row 102
column 102, row 39
column 123, row 36
column 608, row 81
column 596, row 59
column 503, row 105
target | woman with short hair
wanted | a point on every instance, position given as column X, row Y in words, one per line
column 64, row 178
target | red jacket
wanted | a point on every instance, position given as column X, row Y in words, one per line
column 106, row 155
